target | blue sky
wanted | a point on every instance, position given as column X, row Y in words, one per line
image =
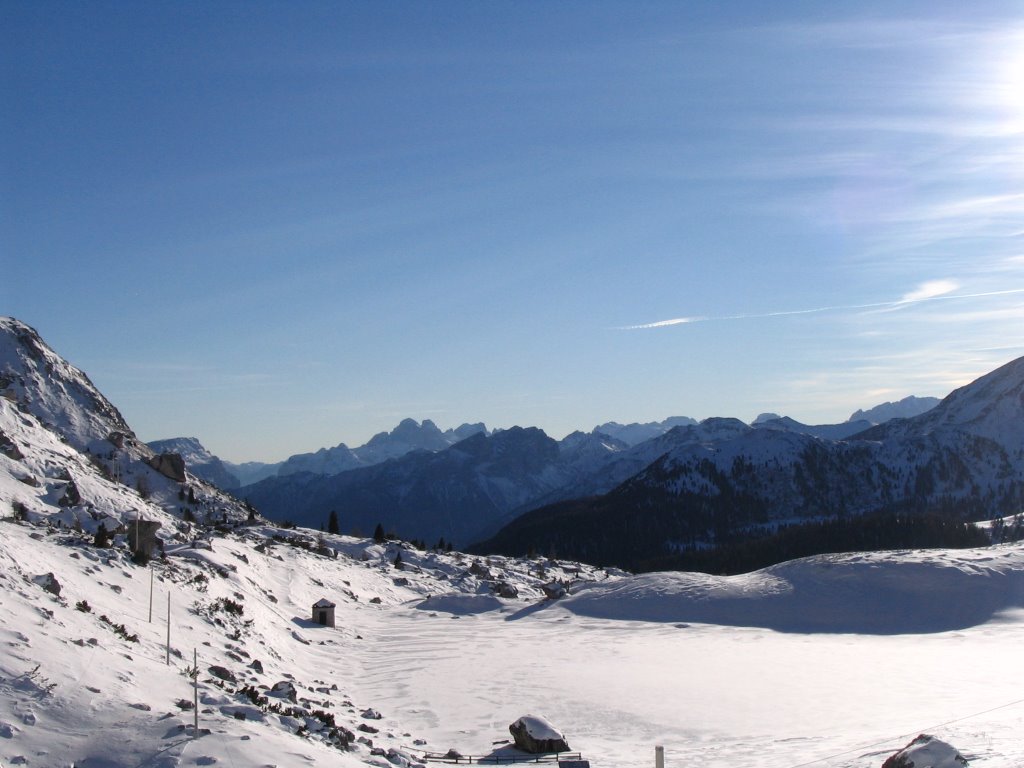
column 279, row 226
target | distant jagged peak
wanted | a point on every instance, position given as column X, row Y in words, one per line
column 409, row 435
column 636, row 433
column 426, row 435
column 57, row 393
column 906, row 408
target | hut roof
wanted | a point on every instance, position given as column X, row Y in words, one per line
column 323, row 603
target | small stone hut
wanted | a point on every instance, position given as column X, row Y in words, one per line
column 323, row 612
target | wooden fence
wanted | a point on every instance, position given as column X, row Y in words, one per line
column 573, row 758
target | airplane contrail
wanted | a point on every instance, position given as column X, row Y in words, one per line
column 909, row 299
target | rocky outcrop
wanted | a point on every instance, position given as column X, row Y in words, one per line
column 9, row 449
column 554, row 590
column 48, row 582
column 71, row 496
column 536, row 735
column 926, row 752
column 285, row 689
column 170, row 465
column 142, row 537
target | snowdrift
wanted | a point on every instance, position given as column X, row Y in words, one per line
column 867, row 593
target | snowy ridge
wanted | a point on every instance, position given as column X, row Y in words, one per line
column 53, row 390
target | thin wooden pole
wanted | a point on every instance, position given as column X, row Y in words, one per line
column 151, row 594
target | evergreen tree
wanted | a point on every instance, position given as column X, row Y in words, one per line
column 102, row 538
column 378, row 534
column 398, row 560
column 332, row 523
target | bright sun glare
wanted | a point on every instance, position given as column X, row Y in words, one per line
column 1010, row 79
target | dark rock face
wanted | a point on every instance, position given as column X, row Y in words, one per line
column 48, row 582
column 537, row 736
column 223, row 673
column 71, row 497
column 9, row 449
column 504, row 589
column 554, row 590
column 170, row 465
column 926, row 752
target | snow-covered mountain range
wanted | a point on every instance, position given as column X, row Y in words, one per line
column 963, row 459
column 103, row 651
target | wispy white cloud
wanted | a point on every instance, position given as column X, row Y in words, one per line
column 663, row 323
column 931, row 290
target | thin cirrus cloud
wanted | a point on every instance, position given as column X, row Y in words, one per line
column 932, row 290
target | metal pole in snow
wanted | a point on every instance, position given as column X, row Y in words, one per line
column 151, row 594
column 195, row 693
column 659, row 757
column 168, row 629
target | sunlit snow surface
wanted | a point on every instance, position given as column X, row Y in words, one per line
column 618, row 667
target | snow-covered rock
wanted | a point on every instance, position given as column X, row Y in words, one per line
column 926, row 752
column 536, row 735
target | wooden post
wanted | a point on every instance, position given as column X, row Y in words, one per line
column 659, row 757
column 151, row 594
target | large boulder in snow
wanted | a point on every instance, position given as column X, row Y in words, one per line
column 170, row 465
column 48, row 582
column 536, row 735
column 926, row 752
column 285, row 689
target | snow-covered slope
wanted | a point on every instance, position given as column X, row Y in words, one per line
column 59, row 395
column 71, row 456
column 429, row 656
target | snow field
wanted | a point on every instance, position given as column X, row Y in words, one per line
column 619, row 666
